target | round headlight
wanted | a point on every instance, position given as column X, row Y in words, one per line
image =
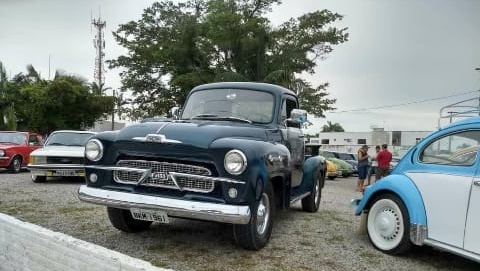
column 94, row 150
column 235, row 162
column 2, row 152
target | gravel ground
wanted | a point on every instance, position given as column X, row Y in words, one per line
column 326, row 240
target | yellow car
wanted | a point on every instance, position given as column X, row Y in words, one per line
column 332, row 170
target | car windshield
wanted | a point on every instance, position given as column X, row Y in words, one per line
column 230, row 104
column 68, row 139
column 12, row 138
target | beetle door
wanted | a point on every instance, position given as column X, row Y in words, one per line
column 443, row 174
column 472, row 227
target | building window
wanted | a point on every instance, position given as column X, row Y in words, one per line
column 396, row 138
column 361, row 141
column 417, row 139
column 349, row 140
column 325, row 141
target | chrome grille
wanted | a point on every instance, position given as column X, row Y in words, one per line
column 162, row 174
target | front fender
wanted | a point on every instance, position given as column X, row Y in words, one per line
column 401, row 186
column 311, row 167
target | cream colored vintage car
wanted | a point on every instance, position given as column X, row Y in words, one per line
column 61, row 156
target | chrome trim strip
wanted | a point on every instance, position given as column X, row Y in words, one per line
column 215, row 179
column 55, row 166
column 4, row 158
column 233, row 214
column 452, row 249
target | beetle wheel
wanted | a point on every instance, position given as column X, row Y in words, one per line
column 388, row 225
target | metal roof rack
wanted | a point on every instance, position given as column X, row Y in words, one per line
column 463, row 109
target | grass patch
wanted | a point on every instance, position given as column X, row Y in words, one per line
column 74, row 209
column 336, row 238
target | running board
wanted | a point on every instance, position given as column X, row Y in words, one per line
column 300, row 197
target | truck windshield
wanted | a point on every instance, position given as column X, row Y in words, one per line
column 230, row 104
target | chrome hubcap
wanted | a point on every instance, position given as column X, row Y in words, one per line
column 317, row 192
column 263, row 214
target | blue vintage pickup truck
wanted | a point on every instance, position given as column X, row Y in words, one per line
column 234, row 154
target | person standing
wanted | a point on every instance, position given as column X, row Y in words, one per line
column 362, row 166
column 383, row 158
column 373, row 168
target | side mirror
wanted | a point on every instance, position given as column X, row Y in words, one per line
column 175, row 112
column 297, row 116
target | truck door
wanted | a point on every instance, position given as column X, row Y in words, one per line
column 294, row 141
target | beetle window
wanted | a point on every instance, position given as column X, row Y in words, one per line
column 456, row 149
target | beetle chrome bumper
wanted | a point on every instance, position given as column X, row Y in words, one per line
column 234, row 214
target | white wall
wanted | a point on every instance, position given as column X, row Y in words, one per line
column 25, row 246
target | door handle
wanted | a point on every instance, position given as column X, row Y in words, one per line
column 477, row 183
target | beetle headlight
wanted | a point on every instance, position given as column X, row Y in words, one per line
column 38, row 159
column 235, row 162
column 94, row 150
column 2, row 152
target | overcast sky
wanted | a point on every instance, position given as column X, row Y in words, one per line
column 399, row 52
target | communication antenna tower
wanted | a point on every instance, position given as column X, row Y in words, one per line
column 99, row 44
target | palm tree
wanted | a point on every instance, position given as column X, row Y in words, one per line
column 332, row 127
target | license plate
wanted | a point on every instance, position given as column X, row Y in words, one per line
column 149, row 215
column 65, row 173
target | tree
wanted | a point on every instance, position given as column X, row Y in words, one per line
column 66, row 102
column 175, row 47
column 7, row 112
column 332, row 127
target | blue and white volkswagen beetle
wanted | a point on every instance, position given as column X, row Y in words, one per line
column 432, row 197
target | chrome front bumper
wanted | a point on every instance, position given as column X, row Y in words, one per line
column 233, row 214
column 54, row 166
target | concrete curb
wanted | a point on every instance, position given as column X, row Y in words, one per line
column 25, row 246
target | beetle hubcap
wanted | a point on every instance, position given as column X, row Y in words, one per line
column 388, row 224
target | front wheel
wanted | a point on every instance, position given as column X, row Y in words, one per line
column 388, row 225
column 39, row 178
column 255, row 234
column 15, row 165
column 123, row 220
column 312, row 201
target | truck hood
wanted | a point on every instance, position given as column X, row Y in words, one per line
column 196, row 133
column 60, row 151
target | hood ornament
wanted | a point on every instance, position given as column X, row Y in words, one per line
column 156, row 138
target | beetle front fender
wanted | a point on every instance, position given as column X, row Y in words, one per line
column 401, row 186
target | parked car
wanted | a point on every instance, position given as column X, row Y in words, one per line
column 234, row 155
column 344, row 167
column 61, row 156
column 332, row 170
column 349, row 158
column 432, row 196
column 15, row 147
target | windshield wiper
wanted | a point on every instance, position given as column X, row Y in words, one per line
column 7, row 142
column 56, row 144
column 201, row 116
column 236, row 119
column 215, row 117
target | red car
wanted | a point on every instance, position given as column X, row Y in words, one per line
column 15, row 147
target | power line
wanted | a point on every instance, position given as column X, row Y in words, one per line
column 402, row 104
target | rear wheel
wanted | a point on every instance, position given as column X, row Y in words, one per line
column 388, row 225
column 332, row 177
column 15, row 165
column 255, row 234
column 38, row 178
column 123, row 220
column 312, row 201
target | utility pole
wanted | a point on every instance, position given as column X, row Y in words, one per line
column 478, row 69
column 99, row 44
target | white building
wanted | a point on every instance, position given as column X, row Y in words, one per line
column 398, row 141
